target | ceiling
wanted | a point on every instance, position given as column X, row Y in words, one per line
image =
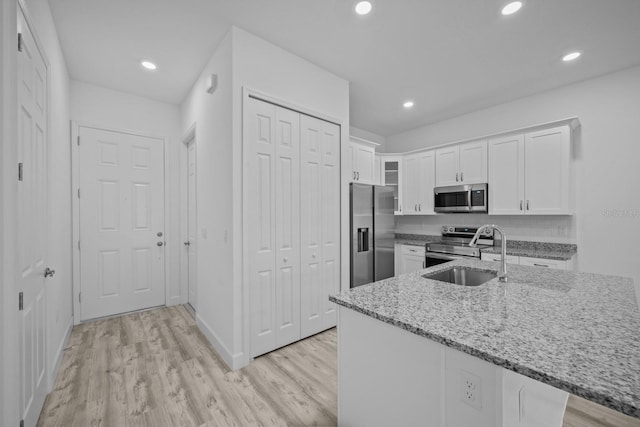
column 450, row 56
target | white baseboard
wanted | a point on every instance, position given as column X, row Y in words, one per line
column 176, row 300
column 233, row 361
column 59, row 352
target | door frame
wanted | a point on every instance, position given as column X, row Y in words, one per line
column 244, row 358
column 187, row 139
column 75, row 210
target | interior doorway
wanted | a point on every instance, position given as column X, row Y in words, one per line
column 191, row 227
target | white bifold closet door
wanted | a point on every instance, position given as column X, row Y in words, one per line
column 320, row 217
column 293, row 185
column 274, row 225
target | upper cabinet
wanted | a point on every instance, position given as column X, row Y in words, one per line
column 418, row 182
column 461, row 164
column 530, row 173
column 363, row 161
column 391, row 175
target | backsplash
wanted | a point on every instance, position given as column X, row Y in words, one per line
column 552, row 229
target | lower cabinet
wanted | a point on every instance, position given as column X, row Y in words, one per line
column 531, row 262
column 292, row 209
column 409, row 258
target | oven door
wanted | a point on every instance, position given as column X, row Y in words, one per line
column 436, row 258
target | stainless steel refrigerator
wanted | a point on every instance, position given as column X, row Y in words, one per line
column 372, row 233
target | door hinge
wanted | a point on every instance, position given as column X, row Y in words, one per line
column 19, row 42
column 78, row 140
column 20, row 168
column 78, row 193
column 20, row 301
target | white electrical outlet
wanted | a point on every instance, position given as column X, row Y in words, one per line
column 470, row 389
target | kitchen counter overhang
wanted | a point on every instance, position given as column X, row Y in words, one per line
column 577, row 332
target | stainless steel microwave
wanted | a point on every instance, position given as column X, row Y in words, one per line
column 461, row 198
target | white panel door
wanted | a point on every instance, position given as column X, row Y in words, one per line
column 426, row 181
column 506, row 175
column 287, row 203
column 330, row 222
column 274, row 225
column 473, row 162
column 311, row 177
column 447, row 166
column 547, row 168
column 32, row 198
column 121, row 222
column 192, row 227
column 320, row 223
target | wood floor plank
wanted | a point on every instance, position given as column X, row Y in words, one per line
column 155, row 369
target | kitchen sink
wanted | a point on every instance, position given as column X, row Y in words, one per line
column 462, row 276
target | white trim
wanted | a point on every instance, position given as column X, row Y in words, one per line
column 233, row 361
column 75, row 209
column 59, row 353
column 244, row 358
column 366, row 141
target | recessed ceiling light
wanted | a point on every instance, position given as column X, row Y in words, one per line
column 363, row 7
column 571, row 56
column 408, row 104
column 148, row 65
column 511, row 8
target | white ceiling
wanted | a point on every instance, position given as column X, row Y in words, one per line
column 450, row 56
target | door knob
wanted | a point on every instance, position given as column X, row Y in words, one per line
column 187, row 243
column 49, row 272
column 159, row 234
column 285, row 259
column 160, row 243
column 314, row 255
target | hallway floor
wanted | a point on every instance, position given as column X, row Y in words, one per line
column 155, row 368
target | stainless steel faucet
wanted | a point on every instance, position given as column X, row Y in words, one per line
column 502, row 274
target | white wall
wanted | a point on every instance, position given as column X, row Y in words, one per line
column 59, row 305
column 212, row 115
column 241, row 60
column 98, row 106
column 607, row 220
column 8, row 200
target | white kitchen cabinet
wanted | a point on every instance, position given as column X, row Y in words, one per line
column 293, row 212
column 411, row 259
column 511, row 259
column 391, row 175
column 418, row 183
column 545, row 263
column 530, row 173
column 363, row 161
column 462, row 164
column 529, row 261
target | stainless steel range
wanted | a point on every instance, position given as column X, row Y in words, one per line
column 455, row 244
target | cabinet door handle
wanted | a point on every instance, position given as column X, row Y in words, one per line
column 354, row 175
column 527, row 205
column 420, row 207
column 415, row 208
column 541, row 265
column 358, row 173
column 520, row 204
column 457, row 176
column 461, row 176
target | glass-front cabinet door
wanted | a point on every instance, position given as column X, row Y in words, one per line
column 391, row 176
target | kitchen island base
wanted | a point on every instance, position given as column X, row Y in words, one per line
column 389, row 376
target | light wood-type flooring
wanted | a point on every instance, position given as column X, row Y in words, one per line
column 155, row 368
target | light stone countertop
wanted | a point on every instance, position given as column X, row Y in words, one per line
column 578, row 332
column 556, row 251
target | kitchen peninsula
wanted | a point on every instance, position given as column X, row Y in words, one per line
column 415, row 351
